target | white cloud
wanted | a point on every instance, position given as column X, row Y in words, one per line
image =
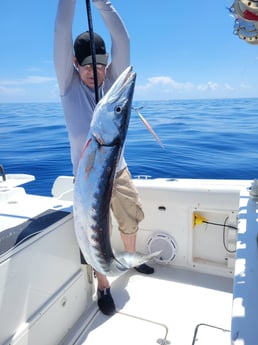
column 208, row 86
column 228, row 87
column 35, row 84
column 29, row 80
column 165, row 82
column 244, row 86
column 165, row 87
column 30, row 88
column 10, row 91
column 44, row 88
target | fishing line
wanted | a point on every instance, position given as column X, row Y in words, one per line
column 93, row 50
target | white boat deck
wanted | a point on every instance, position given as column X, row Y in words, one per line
column 172, row 306
column 187, row 301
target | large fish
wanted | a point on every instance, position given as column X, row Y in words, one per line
column 95, row 176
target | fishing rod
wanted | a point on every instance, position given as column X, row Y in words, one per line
column 93, row 50
column 95, row 75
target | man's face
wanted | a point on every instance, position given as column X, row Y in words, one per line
column 87, row 75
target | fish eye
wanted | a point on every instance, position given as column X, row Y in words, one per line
column 118, row 109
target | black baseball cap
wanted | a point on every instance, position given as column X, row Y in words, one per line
column 82, row 49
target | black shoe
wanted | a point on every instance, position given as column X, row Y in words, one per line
column 145, row 269
column 105, row 302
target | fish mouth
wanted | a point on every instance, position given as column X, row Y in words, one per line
column 115, row 142
column 125, row 87
column 110, row 129
column 130, row 75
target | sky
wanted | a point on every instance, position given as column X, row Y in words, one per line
column 179, row 49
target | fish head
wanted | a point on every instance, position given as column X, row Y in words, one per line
column 112, row 114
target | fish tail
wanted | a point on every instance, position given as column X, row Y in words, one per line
column 125, row 261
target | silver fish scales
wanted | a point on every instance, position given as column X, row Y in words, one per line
column 95, row 176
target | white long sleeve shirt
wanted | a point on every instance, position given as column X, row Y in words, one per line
column 77, row 99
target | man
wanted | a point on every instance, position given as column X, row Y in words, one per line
column 73, row 64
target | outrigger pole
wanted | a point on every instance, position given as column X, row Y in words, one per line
column 93, row 50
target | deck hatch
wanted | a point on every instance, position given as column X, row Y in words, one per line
column 164, row 243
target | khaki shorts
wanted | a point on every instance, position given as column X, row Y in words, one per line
column 125, row 203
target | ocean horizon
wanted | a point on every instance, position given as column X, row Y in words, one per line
column 202, row 138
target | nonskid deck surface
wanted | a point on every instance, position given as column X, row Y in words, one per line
column 172, row 306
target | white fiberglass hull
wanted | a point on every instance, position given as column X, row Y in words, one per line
column 48, row 297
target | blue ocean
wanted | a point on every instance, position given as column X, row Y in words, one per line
column 215, row 139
